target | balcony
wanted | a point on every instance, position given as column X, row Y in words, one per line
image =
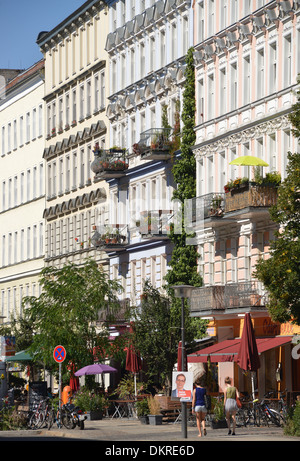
column 110, row 238
column 154, row 144
column 109, row 163
column 250, row 200
column 155, row 225
column 229, row 298
column 208, row 210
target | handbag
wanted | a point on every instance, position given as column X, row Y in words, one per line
column 238, row 402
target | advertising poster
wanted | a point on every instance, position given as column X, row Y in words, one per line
column 7, row 346
column 182, row 386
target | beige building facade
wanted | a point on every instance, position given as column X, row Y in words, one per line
column 75, row 101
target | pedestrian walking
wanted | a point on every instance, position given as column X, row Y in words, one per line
column 198, row 406
column 230, row 395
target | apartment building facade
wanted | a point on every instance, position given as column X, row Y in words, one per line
column 75, row 121
column 247, row 61
column 22, row 189
column 146, row 45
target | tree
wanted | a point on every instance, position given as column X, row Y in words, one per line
column 281, row 272
column 73, row 300
column 157, row 333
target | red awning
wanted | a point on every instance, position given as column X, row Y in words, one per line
column 226, row 351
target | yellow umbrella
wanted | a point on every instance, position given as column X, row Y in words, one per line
column 248, row 160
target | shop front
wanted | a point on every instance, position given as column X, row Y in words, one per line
column 279, row 370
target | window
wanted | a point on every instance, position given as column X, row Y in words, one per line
column 211, row 97
column 74, row 106
column 34, row 122
column 82, row 102
column 67, row 109
column 247, row 80
column 287, row 58
column 3, row 141
column 15, row 145
column 21, row 131
column 3, row 195
column 223, row 92
column 88, row 98
column 97, row 93
column 233, row 86
column 260, row 76
column 273, row 68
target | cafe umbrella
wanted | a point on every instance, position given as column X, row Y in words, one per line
column 95, row 369
column 248, row 160
column 248, row 357
column 133, row 361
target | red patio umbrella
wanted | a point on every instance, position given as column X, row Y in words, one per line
column 133, row 360
column 248, row 358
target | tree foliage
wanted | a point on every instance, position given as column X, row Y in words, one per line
column 157, row 332
column 281, row 272
column 73, row 299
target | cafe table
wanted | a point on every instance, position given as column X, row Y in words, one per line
column 124, row 408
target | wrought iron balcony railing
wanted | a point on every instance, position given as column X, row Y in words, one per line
column 239, row 295
column 154, row 144
column 155, row 224
column 111, row 238
column 109, row 163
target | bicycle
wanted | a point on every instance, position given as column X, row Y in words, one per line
column 40, row 415
column 267, row 414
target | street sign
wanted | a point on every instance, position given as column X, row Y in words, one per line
column 59, row 354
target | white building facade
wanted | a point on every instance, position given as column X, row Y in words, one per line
column 146, row 45
column 22, row 189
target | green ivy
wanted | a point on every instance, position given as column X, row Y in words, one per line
column 184, row 258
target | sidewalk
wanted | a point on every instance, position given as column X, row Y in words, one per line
column 129, row 430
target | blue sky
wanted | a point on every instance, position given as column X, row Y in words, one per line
column 20, row 23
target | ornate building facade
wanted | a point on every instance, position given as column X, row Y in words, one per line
column 75, row 102
column 247, row 61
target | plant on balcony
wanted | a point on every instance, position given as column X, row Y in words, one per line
column 216, row 209
column 236, row 184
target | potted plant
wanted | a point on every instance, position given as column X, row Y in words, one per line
column 155, row 416
column 218, row 420
column 91, row 403
column 142, row 410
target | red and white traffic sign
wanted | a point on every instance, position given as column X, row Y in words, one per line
column 59, row 354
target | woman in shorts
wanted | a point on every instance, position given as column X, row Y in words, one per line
column 198, row 406
column 230, row 395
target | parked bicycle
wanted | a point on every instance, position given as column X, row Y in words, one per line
column 40, row 416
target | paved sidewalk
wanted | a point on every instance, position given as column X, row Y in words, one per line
column 126, row 430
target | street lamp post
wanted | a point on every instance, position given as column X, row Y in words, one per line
column 183, row 292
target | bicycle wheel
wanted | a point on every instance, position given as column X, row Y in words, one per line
column 240, row 418
column 67, row 420
column 34, row 421
column 50, row 419
column 274, row 417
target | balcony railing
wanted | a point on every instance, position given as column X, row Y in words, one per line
column 154, row 144
column 109, row 163
column 239, row 295
column 111, row 238
column 250, row 196
column 155, row 224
